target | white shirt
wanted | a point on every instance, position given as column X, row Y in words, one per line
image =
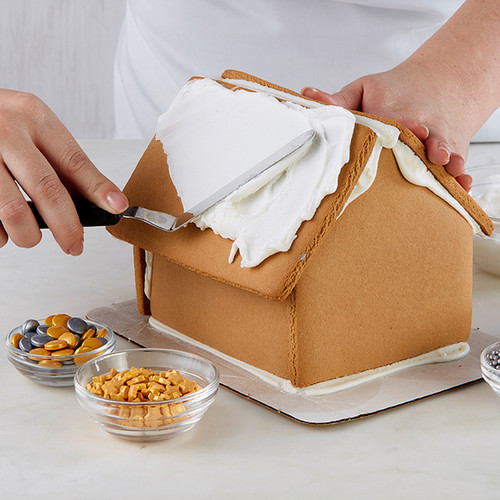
column 293, row 43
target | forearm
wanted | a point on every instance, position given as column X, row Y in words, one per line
column 467, row 51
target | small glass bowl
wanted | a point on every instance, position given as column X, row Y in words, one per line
column 486, row 179
column 155, row 420
column 28, row 364
column 488, row 370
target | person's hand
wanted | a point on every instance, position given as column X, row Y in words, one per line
column 436, row 115
column 39, row 155
column 444, row 92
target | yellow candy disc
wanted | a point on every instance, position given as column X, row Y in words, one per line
column 89, row 333
column 80, row 360
column 56, row 331
column 55, row 345
column 82, row 349
column 63, row 352
column 15, row 340
column 40, row 351
column 92, row 342
column 60, row 320
column 69, row 338
column 49, row 363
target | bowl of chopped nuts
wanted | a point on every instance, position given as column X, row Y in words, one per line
column 50, row 350
column 147, row 394
column 490, row 366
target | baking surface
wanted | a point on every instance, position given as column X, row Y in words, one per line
column 435, row 448
column 403, row 387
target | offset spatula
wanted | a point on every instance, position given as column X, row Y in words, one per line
column 91, row 215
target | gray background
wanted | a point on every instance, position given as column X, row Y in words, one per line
column 63, row 51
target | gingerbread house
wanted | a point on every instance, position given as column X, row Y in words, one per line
column 384, row 279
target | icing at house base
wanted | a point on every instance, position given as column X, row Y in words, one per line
column 448, row 353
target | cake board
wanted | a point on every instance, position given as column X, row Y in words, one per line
column 369, row 398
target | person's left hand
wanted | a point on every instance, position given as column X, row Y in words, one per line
column 436, row 115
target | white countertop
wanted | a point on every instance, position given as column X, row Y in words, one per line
column 445, row 446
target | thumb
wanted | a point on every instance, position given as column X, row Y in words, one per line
column 350, row 97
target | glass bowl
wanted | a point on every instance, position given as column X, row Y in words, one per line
column 486, row 192
column 28, row 364
column 150, row 420
column 490, row 366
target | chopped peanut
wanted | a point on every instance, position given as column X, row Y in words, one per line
column 142, row 385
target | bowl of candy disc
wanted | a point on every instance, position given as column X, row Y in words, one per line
column 50, row 350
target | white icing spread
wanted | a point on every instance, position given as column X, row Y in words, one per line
column 448, row 353
column 410, row 165
column 212, row 134
column 148, row 273
column 387, row 137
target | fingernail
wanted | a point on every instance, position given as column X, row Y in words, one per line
column 426, row 130
column 309, row 88
column 117, row 201
column 322, row 96
column 444, row 147
column 76, row 249
column 456, row 155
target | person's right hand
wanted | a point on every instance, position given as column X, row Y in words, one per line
column 38, row 154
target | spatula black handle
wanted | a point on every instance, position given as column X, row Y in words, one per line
column 90, row 214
